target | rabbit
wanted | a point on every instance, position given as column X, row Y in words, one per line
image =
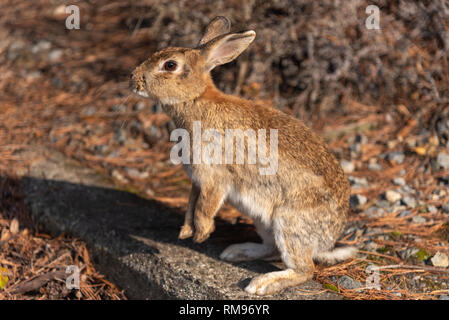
column 299, row 212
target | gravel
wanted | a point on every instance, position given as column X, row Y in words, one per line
column 445, row 208
column 405, row 213
column 349, row 283
column 357, row 201
column 408, row 253
column 419, row 219
column 375, row 166
column 357, row 182
column 399, row 181
column 374, row 212
column 392, row 196
column 409, row 201
column 134, row 173
column 396, row 156
column 443, row 160
column 55, row 55
column 440, row 260
column 347, row 166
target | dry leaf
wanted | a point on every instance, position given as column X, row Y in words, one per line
column 420, row 150
column 3, row 277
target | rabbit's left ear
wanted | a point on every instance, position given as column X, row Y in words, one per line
column 226, row 48
column 218, row 26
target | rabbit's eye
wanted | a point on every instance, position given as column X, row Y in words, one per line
column 170, row 65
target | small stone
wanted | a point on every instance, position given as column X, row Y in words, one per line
column 55, row 55
column 357, row 201
column 445, row 207
column 405, row 213
column 397, row 207
column 374, row 167
column 42, row 45
column 419, row 219
column 347, row 166
column 118, row 108
column 443, row 160
column 396, row 156
column 134, row 173
column 399, row 181
column 432, row 209
column 409, row 201
column 407, row 189
column 120, row 135
column 357, row 182
column 440, row 260
column 384, row 204
column 118, row 176
column 149, row 192
column 392, row 196
column 409, row 252
column 372, row 231
column 374, row 212
column 139, row 106
column 34, row 75
column 349, row 283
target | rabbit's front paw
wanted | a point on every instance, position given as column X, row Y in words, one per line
column 202, row 236
column 204, row 226
column 186, row 232
column 203, row 232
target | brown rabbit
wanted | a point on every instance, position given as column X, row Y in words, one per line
column 299, row 211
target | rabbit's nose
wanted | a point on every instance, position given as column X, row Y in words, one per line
column 137, row 81
column 134, row 82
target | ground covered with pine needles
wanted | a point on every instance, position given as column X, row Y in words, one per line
column 380, row 98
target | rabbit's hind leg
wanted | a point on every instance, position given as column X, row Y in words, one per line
column 249, row 251
column 296, row 253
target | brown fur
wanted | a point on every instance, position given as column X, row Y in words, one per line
column 300, row 211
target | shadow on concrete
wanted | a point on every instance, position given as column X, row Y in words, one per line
column 134, row 241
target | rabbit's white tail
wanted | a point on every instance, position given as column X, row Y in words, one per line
column 336, row 255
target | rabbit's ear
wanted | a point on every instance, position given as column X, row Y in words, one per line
column 226, row 48
column 217, row 27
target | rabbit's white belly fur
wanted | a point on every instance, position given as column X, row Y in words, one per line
column 249, row 204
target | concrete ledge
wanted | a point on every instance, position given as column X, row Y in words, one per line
column 134, row 241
